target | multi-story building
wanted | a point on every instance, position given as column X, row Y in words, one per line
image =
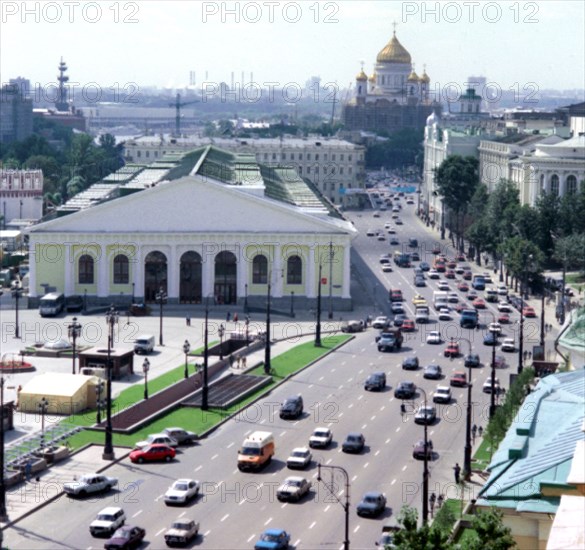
column 16, row 114
column 336, row 167
column 21, row 195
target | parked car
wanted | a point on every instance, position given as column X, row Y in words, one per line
column 420, row 449
column 157, row 439
column 425, row 415
column 107, row 521
column 153, row 453
column 125, row 538
column 182, row 491
column 354, row 443
column 90, row 484
column 299, row 459
column 380, row 322
column 181, row 436
column 433, row 372
column 410, row 363
column 405, row 390
column 292, row 407
column 74, row 303
column 320, row 438
column 293, row 488
column 458, row 379
column 442, row 395
column 273, row 539
column 372, row 504
column 375, row 381
column 181, row 532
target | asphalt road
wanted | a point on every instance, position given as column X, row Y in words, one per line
column 236, row 507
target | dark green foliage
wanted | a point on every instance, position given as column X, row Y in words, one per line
column 490, row 533
column 400, row 150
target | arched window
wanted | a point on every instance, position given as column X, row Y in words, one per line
column 571, row 185
column 86, row 270
column 260, row 270
column 294, row 271
column 554, row 185
column 121, row 270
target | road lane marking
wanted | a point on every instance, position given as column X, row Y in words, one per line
column 242, row 502
column 297, row 542
column 327, row 507
column 350, row 379
column 137, row 513
column 282, row 433
column 382, row 408
column 387, row 441
column 364, row 426
column 404, row 468
column 262, row 421
column 231, row 445
column 158, row 498
column 214, row 457
column 366, row 464
column 182, row 514
column 321, row 378
column 340, row 415
column 199, row 467
column 310, row 386
column 343, row 363
column 224, row 517
column 398, row 429
column 356, row 529
column 341, row 492
column 159, row 532
column 350, row 406
column 373, row 417
column 209, row 531
column 393, row 481
column 363, row 350
column 377, row 452
column 284, row 504
column 267, row 522
column 353, row 478
column 362, row 370
column 360, row 397
column 310, row 527
column 250, row 539
column 328, row 461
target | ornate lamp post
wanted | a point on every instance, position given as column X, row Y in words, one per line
column 292, row 306
column 331, row 256
column 111, row 321
column 186, row 350
column 267, row 358
column 221, row 332
column 145, row 369
column 467, row 453
column 160, row 298
column 43, row 406
column 318, row 326
column 74, row 331
column 246, row 299
column 205, row 388
column 17, row 294
column 425, row 494
column 99, row 388
column 333, row 490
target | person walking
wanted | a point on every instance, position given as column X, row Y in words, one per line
column 244, row 362
column 474, row 432
column 457, row 471
column 231, row 360
column 228, row 316
column 480, row 431
column 239, row 360
column 188, row 320
column 440, row 501
column 236, row 317
column 432, row 500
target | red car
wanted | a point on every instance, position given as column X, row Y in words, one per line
column 458, row 379
column 504, row 318
column 451, row 264
column 436, row 249
column 452, row 350
column 126, row 537
column 528, row 311
column 396, row 296
column 460, row 258
column 153, row 453
column 450, row 274
column 408, row 326
column 479, row 303
column 467, row 275
column 463, row 286
column 460, row 307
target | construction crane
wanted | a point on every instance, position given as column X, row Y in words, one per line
column 178, row 105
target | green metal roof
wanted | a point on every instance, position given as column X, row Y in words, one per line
column 574, row 337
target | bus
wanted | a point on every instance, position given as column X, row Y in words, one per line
column 52, row 304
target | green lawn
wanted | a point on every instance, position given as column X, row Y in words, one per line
column 482, row 456
column 194, row 419
column 577, row 280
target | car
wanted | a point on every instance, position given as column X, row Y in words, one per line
column 453, row 297
column 472, row 361
column 442, row 394
column 394, row 241
column 398, row 221
column 153, row 453
column 273, row 539
column 381, row 237
column 107, row 521
column 181, row 436
column 354, row 443
column 458, row 379
column 504, row 307
column 410, row 363
column 387, row 225
column 452, row 350
column 352, row 326
column 425, row 415
column 370, row 233
column 380, row 322
column 451, row 263
column 376, row 214
column 467, row 275
column 434, row 274
column 443, row 285
column 397, row 307
column 436, row 249
column 528, row 311
column 396, row 295
column 424, row 266
column 89, row 484
column 408, row 325
column 181, row 532
column 74, row 303
column 126, row 537
column 502, row 290
column 432, row 372
column 182, row 491
column 405, row 390
column 487, row 386
column 479, row 303
column 463, row 286
column 444, row 314
column 320, row 438
column 391, row 230
column 384, row 259
column 396, row 207
column 399, row 319
column 487, row 277
column 415, row 257
column 58, row 345
column 500, row 362
column 413, row 243
column 299, row 459
column 375, row 381
column 503, row 318
column 449, row 274
column 490, row 339
column 495, row 328
column 419, row 300
column 508, row 345
column 386, row 268
column 372, row 504
column 157, row 439
column 420, row 450
column 419, row 281
column 459, row 307
column 293, row 488
column 434, row 337
column 460, row 269
column 291, row 408
column 460, row 257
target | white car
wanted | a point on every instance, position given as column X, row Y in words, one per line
column 387, row 225
column 107, row 521
column 496, row 328
column 299, row 459
column 321, row 438
column 442, row 394
column 380, row 322
column 434, row 274
column 504, row 307
column 453, row 297
column 293, row 488
column 443, row 285
column 434, row 337
column 182, row 491
column 156, row 439
column 508, row 345
column 386, row 268
column 391, row 231
column 444, row 314
column 370, row 233
column 487, row 277
column 487, row 386
column 90, row 483
column 503, row 290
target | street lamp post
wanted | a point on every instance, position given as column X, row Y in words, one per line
column 160, row 298
column 331, row 256
column 442, row 219
column 292, row 303
column 493, row 382
column 425, row 493
column 467, row 453
column 318, row 325
column 186, row 350
column 205, row 388
column 246, row 298
column 43, row 406
column 111, row 321
column 221, row 332
column 16, row 294
column 99, row 388
column 333, row 490
column 133, row 288
column 74, row 331
column 267, row 357
column 3, row 512
column 145, row 369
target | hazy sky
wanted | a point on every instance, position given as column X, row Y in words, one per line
column 155, row 42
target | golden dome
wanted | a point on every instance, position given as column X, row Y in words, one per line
column 372, row 78
column 393, row 52
column 413, row 77
column 425, row 77
column 362, row 77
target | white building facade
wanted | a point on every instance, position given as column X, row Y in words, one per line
column 21, row 194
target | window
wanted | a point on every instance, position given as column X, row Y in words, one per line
column 300, row 170
column 308, row 156
column 273, row 156
column 121, row 271
column 294, row 271
column 147, row 154
column 308, row 169
column 332, row 157
column 341, row 157
column 325, row 156
column 283, row 156
column 349, row 158
column 260, row 270
column 138, row 154
column 86, row 270
column 554, row 185
column 300, row 156
column 265, row 156
column 341, row 170
column 316, row 156
column 292, row 156
column 571, row 185
column 350, row 170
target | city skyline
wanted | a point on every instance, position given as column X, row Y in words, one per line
column 160, row 44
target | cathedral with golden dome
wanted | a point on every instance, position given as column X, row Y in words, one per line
column 393, row 96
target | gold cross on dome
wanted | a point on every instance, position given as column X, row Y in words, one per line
column 394, row 25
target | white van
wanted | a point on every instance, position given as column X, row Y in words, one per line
column 144, row 344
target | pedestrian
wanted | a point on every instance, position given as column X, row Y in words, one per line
column 228, row 316
column 480, row 431
column 28, row 469
column 432, row 500
column 474, row 432
column 440, row 501
column 239, row 360
column 235, row 317
column 244, row 362
column 457, row 471
column 188, row 320
column 402, row 409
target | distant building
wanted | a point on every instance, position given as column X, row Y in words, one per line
column 393, row 97
column 16, row 114
column 23, row 85
column 21, row 195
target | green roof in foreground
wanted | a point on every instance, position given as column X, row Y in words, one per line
column 538, row 449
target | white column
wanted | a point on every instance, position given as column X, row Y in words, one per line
column 277, row 274
column 103, row 279
column 242, row 270
column 173, row 273
column 310, row 271
column 345, row 291
column 69, row 271
column 137, row 267
column 208, row 272
column 32, row 272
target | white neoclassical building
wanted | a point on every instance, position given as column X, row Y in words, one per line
column 222, row 227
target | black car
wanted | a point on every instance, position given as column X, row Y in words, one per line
column 74, row 303
column 432, row 372
column 292, row 407
column 413, row 243
column 394, row 241
column 424, row 266
column 490, row 339
column 375, row 381
column 405, row 390
column 419, row 281
column 472, row 360
column 410, row 363
column 399, row 319
column 354, row 443
column 415, row 257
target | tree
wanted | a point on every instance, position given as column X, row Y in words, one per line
column 571, row 251
column 410, row 537
column 547, row 208
column 490, row 533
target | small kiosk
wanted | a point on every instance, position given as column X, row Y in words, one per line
column 93, row 361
